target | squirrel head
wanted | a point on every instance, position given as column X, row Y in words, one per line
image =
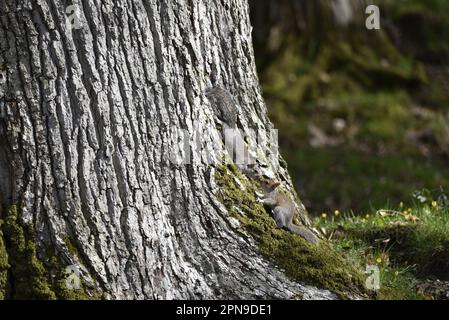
column 274, row 185
column 268, row 185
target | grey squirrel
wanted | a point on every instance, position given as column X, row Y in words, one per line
column 225, row 110
column 225, row 106
column 226, row 114
column 284, row 211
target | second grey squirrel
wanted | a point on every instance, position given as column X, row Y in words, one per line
column 284, row 211
column 226, row 114
column 225, row 107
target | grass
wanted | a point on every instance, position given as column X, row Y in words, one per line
column 409, row 243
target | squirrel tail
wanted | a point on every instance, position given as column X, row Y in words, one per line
column 304, row 233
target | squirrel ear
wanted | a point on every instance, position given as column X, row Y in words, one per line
column 274, row 185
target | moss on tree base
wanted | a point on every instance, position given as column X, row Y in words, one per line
column 3, row 265
column 318, row 265
column 22, row 274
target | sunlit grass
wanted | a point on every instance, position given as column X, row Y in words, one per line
column 408, row 242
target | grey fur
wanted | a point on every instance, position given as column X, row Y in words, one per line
column 284, row 211
column 225, row 108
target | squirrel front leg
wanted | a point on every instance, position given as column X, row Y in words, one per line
column 283, row 212
column 268, row 201
column 281, row 216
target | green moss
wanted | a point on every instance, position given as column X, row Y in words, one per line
column 71, row 246
column 3, row 266
column 28, row 275
column 317, row 265
column 31, row 277
column 85, row 291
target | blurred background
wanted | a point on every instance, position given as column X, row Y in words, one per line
column 363, row 115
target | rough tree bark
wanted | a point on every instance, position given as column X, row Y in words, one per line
column 85, row 143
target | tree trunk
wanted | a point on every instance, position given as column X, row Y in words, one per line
column 88, row 96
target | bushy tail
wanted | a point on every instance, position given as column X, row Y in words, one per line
column 304, row 233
